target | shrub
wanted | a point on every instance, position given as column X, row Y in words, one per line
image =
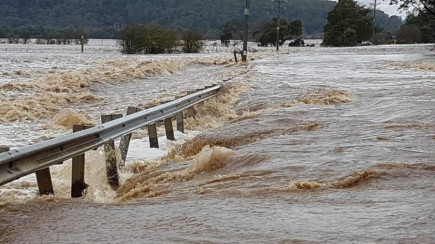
column 147, row 39
column 409, row 34
column 192, row 42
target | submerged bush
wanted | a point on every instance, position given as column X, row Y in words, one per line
column 147, row 39
column 192, row 42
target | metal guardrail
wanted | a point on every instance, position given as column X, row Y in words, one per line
column 17, row 163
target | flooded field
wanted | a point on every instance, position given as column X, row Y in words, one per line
column 315, row 145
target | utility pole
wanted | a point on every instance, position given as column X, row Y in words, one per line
column 245, row 32
column 374, row 24
column 278, row 22
column 82, row 37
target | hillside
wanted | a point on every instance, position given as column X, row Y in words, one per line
column 206, row 16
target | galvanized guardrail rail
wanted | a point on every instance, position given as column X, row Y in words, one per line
column 39, row 157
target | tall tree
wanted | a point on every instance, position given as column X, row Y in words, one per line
column 288, row 30
column 420, row 5
column 348, row 25
column 423, row 19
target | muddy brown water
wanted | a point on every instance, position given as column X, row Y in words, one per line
column 325, row 146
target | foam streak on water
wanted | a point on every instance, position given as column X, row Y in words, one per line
column 315, row 146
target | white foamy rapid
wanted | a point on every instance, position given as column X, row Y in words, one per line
column 47, row 89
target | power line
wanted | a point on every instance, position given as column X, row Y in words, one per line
column 245, row 34
column 82, row 36
column 374, row 24
column 278, row 21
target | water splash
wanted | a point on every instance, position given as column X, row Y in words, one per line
column 322, row 97
column 155, row 181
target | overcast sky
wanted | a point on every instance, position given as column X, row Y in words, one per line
column 384, row 6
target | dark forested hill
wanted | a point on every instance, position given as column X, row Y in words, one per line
column 206, row 16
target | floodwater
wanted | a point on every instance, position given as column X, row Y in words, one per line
column 319, row 145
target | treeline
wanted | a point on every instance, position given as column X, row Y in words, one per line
column 420, row 25
column 350, row 24
column 386, row 23
column 418, row 28
column 106, row 18
column 50, row 32
column 43, row 35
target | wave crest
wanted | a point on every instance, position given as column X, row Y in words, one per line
column 322, row 97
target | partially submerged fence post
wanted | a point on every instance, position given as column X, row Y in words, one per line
column 180, row 122
column 237, row 51
column 169, row 130
column 124, row 144
column 110, row 154
column 43, row 178
column 190, row 112
column 78, row 170
column 152, row 134
column 168, row 126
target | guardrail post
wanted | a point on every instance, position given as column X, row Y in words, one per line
column 180, row 122
column 78, row 170
column 124, row 144
column 110, row 155
column 45, row 185
column 152, row 134
column 190, row 112
column 169, row 129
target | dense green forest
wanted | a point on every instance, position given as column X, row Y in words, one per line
column 104, row 18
